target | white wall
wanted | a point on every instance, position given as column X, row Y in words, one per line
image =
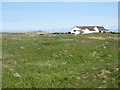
column 77, row 32
column 96, row 29
column 86, row 31
column 74, row 28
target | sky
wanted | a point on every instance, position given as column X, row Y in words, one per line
column 60, row 0
column 57, row 16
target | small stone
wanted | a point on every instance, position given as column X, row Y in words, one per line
column 16, row 75
column 78, row 78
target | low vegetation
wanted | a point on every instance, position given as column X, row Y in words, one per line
column 60, row 61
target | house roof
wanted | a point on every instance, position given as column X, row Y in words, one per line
column 102, row 29
column 81, row 31
column 91, row 28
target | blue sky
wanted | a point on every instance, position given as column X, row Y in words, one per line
column 57, row 16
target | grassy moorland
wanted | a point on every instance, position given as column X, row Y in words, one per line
column 0, row 61
column 57, row 61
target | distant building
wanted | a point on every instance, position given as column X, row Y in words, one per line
column 88, row 29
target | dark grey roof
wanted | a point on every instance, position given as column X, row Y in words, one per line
column 102, row 28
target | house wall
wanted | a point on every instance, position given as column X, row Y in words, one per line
column 75, row 28
column 77, row 32
column 96, row 29
column 101, row 31
column 105, row 31
column 86, row 31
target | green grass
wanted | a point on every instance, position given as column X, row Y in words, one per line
column 59, row 61
column 0, row 62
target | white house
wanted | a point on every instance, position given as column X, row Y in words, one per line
column 88, row 29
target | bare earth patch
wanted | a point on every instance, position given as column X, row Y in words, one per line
column 103, row 38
